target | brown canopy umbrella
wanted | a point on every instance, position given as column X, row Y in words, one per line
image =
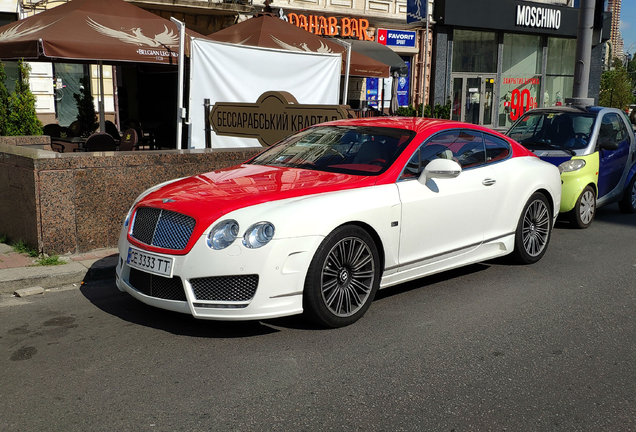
column 93, row 31
column 110, row 31
column 268, row 31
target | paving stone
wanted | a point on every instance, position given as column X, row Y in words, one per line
column 25, row 292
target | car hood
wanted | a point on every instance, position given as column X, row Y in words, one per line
column 207, row 197
column 555, row 160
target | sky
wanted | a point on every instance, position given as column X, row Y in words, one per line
column 628, row 25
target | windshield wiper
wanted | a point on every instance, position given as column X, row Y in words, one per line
column 553, row 146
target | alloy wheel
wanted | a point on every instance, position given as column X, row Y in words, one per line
column 536, row 228
column 347, row 276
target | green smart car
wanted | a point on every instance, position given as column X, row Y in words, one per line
column 595, row 150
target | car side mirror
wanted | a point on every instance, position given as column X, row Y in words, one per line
column 609, row 145
column 440, row 168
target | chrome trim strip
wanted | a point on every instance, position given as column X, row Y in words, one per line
column 448, row 252
column 288, row 295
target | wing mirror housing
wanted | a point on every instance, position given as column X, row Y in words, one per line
column 440, row 168
column 609, row 145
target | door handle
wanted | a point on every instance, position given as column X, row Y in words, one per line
column 489, row 182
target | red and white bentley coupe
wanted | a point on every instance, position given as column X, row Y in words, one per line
column 317, row 223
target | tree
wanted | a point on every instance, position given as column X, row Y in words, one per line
column 22, row 118
column 85, row 108
column 616, row 88
column 4, row 101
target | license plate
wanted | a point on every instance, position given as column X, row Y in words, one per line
column 149, row 262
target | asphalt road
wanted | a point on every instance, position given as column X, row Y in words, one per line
column 547, row 347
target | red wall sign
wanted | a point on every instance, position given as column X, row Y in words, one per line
column 520, row 102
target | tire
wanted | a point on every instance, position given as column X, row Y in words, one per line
column 582, row 215
column 342, row 279
column 533, row 230
column 628, row 203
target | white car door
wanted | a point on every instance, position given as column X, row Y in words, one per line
column 446, row 217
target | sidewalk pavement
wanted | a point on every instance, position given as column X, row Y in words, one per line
column 19, row 271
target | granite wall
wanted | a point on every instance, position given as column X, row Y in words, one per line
column 76, row 202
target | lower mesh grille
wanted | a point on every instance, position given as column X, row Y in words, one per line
column 225, row 288
column 157, row 286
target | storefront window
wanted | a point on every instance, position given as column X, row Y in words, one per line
column 67, row 83
column 521, row 76
column 474, row 51
column 559, row 71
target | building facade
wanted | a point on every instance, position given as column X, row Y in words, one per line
column 495, row 60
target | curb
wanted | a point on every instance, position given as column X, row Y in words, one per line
column 13, row 279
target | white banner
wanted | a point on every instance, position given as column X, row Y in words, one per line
column 225, row 72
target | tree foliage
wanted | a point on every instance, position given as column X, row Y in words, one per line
column 4, row 101
column 86, row 116
column 616, row 88
column 21, row 115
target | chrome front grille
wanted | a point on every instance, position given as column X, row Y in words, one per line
column 157, row 286
column 162, row 228
column 225, row 288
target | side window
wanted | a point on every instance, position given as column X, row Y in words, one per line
column 610, row 128
column 624, row 134
column 496, row 148
column 463, row 146
column 469, row 150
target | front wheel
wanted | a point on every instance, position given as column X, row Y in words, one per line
column 628, row 203
column 582, row 215
column 533, row 230
column 343, row 278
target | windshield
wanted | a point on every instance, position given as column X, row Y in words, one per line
column 565, row 130
column 346, row 149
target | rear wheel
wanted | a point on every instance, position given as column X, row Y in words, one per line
column 533, row 230
column 628, row 203
column 582, row 215
column 343, row 278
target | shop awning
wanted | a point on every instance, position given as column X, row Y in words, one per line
column 378, row 52
column 110, row 31
column 268, row 31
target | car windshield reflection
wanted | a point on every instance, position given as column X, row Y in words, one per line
column 567, row 131
column 346, row 149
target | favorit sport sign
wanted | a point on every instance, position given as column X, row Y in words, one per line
column 396, row 38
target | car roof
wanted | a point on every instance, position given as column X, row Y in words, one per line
column 416, row 124
column 571, row 109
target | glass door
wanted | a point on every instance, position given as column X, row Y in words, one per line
column 473, row 99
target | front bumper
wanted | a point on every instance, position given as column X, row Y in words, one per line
column 280, row 268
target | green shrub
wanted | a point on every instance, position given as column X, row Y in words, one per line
column 4, row 101
column 440, row 111
column 22, row 118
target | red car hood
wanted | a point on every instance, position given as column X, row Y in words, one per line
column 208, row 196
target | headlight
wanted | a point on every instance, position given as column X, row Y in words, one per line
column 571, row 165
column 223, row 234
column 258, row 235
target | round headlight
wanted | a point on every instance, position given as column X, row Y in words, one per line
column 571, row 165
column 223, row 234
column 258, row 235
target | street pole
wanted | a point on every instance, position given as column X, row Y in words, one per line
column 180, row 109
column 424, row 72
column 583, row 55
